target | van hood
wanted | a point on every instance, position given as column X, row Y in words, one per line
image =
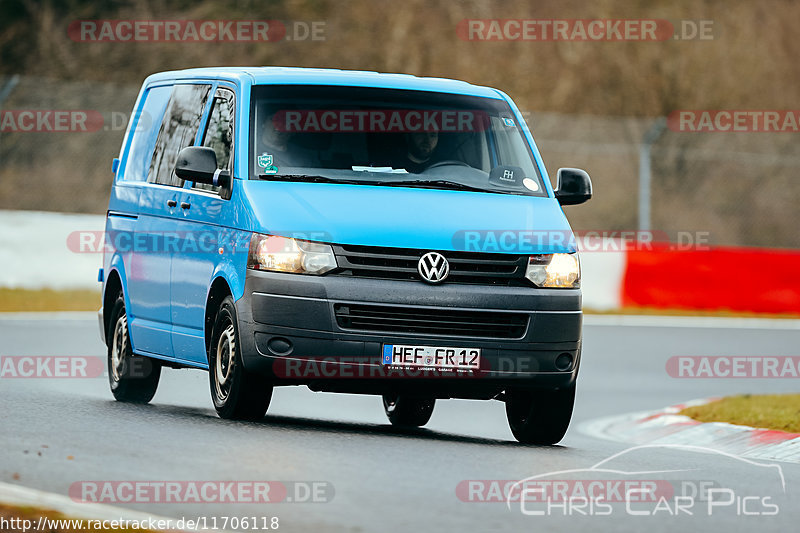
column 402, row 217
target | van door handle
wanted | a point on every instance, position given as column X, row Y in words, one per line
column 185, row 205
column 172, row 203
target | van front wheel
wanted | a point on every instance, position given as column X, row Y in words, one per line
column 237, row 393
column 402, row 410
column 540, row 417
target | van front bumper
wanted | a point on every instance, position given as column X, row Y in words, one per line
column 289, row 331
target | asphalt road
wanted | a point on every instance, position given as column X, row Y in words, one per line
column 384, row 479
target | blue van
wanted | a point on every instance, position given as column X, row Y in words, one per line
column 348, row 231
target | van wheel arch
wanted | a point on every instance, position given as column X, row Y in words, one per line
column 218, row 292
column 112, row 290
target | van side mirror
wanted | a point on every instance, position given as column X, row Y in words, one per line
column 573, row 186
column 199, row 164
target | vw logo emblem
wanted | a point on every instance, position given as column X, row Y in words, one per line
column 433, row 267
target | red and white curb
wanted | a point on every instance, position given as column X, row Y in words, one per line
column 17, row 495
column 668, row 427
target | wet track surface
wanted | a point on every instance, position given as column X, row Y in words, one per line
column 382, row 478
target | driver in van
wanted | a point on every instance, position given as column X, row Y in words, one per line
column 420, row 147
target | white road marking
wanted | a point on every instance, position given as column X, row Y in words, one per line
column 638, row 428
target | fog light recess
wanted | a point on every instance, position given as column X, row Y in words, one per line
column 564, row 361
column 279, row 346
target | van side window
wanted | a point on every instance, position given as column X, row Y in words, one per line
column 178, row 130
column 219, row 133
column 144, row 129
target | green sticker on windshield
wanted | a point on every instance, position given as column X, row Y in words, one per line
column 265, row 162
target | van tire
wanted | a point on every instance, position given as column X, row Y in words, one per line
column 237, row 393
column 540, row 416
column 405, row 411
column 132, row 378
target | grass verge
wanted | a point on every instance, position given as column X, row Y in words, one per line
column 768, row 411
column 20, row 300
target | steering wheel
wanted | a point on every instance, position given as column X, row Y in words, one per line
column 447, row 162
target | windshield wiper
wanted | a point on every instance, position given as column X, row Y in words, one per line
column 434, row 184
column 431, row 184
column 312, row 178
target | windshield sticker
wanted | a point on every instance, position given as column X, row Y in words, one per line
column 530, row 184
column 265, row 162
column 508, row 122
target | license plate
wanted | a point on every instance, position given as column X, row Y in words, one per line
column 431, row 356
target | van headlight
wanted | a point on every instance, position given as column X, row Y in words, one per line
column 282, row 254
column 554, row 270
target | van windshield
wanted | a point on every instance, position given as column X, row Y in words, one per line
column 389, row 137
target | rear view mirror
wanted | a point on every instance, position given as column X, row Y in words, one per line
column 199, row 164
column 573, row 186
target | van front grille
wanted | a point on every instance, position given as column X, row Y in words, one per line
column 401, row 264
column 421, row 320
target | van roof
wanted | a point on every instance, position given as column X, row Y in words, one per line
column 326, row 76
